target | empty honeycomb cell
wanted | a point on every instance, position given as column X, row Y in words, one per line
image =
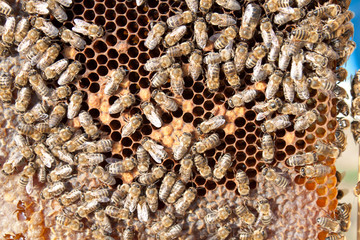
column 201, row 191
column 178, row 113
column 166, row 117
column 131, row 14
column 115, row 136
column 123, row 59
column 100, row 20
column 250, row 138
column 322, row 202
column 250, row 150
column 250, row 162
column 115, row 125
column 290, row 150
column 200, row 180
column 84, row 83
column 300, row 134
column 110, row 3
column 133, row 64
column 94, row 112
column 251, row 173
column 102, row 70
column 163, row 8
column 146, row 130
column 93, row 77
column 198, row 111
column 110, row 27
column 133, row 77
column 101, row 59
column 300, row 144
column 321, row 191
column 100, row 46
column 240, row 133
column 280, row 143
column 88, row 4
column 311, row 103
column 258, row 156
column 280, row 155
column 126, row 141
column 250, row 127
column 188, row 94
column 320, row 132
column 310, row 185
column 120, row 8
column 322, row 108
column 219, row 99
column 250, row 115
column 231, row 150
column 321, row 120
column 133, row 52
column 229, row 92
column 81, row 58
column 78, row 9
column 230, row 185
column 130, row 4
column 133, row 27
column 89, row 15
column 168, row 163
column 111, row 41
column 143, row 58
column 312, row 92
column 112, row 64
column 230, row 139
column 110, row 14
column 210, row 185
column 91, row 64
column 121, row 21
column 240, row 156
column 188, row 117
column 89, row 53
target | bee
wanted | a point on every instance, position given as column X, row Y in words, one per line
column 60, row 173
column 250, row 20
column 258, row 234
column 200, row 32
column 126, row 165
column 45, row 26
column 343, row 123
column 75, row 104
column 299, row 34
column 152, row 197
column 70, row 73
column 240, row 56
column 38, row 84
column 118, row 213
column 129, row 233
column 114, row 81
column 176, row 79
column 340, row 92
column 213, row 77
column 154, row 36
column 343, row 213
column 219, row 215
column 329, row 224
column 207, row 143
column 226, row 36
column 26, row 179
column 179, row 19
column 195, row 61
column 326, row 50
column 202, row 166
column 55, row 69
column 296, row 72
column 288, row 88
column 124, row 101
column 166, row 221
column 183, row 203
column 103, row 221
column 340, row 140
column 327, row 149
column 229, row 4
column 205, row 5
column 103, row 176
column 284, row 56
column 223, row 164
column 71, row 197
column 143, row 159
column 274, row 83
column 355, row 130
column 302, row 159
column 166, row 185
column 329, row 10
column 316, row 60
column 293, row 108
column 263, row 208
column 89, row 159
column 133, row 197
column 212, row 58
column 271, row 175
column 277, row 123
column 221, row 20
column 48, row 57
column 176, row 191
column 35, row 52
column 23, row 99
column 44, row 154
column 242, row 182
column 100, row 195
column 5, row 8
column 174, row 36
column 86, row 121
column 277, row 42
column 57, row 115
column 240, row 98
column 268, row 147
column 73, row 224
column 28, row 130
column 142, row 210
column 304, row 121
column 316, row 170
column 156, row 151
column 261, row 72
column 156, row 173
column 72, row 38
column 164, row 101
column 230, row 72
column 87, row 29
column 334, row 24
column 8, row 33
column 103, row 145
column 14, row 160
column 267, row 32
column 159, row 63
column 265, row 109
column 222, row 232
column 43, row 127
column 288, row 14
column 181, row 149
column 160, row 78
column 53, row 190
column 120, row 193
column 36, row 7
column 185, row 170
column 6, row 96
column 335, row 236
column 257, row 54
column 60, row 93
column 274, row 5
column 24, row 146
column 59, row 137
column 73, row 144
column 181, row 49
column 57, row 11
column 86, row 208
column 134, row 123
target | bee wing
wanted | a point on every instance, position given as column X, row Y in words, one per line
column 65, row 3
column 262, row 115
column 287, row 10
column 214, row 37
column 274, row 39
column 41, row 8
column 16, row 158
column 257, row 67
column 112, row 160
column 155, row 157
column 43, row 116
column 30, row 185
column 80, row 30
column 154, row 119
column 103, row 199
column 132, row 205
column 47, row 159
column 143, row 212
column 81, row 23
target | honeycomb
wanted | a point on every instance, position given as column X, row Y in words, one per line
column 127, row 26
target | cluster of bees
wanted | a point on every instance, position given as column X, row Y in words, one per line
column 55, row 153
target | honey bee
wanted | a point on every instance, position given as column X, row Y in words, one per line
column 24, row 146
column 45, row 26
column 159, row 63
column 288, row 14
column 261, row 72
column 86, row 208
column 53, row 190
column 265, row 109
column 120, row 193
column 59, row 137
column 304, row 121
column 174, row 36
column 176, row 79
column 26, row 179
column 327, row 149
column 87, row 29
column 154, row 36
column 103, row 221
column 184, row 144
column 316, row 170
column 222, row 232
column 89, row 159
column 156, row 151
column 48, row 57
column 38, row 84
column 143, row 159
column 302, row 159
column 343, row 213
column 60, row 173
column 268, row 147
column 316, row 60
column 176, row 191
column 28, row 130
column 100, row 195
column 250, row 20
column 277, row 123
column 296, row 72
column 267, row 32
column 6, row 96
column 195, row 67
column 142, row 210
column 183, row 203
column 257, row 54
column 73, row 224
column 152, row 197
column 60, row 93
column 274, row 83
column 329, row 10
column 289, row 88
column 23, row 99
column 202, row 166
column 5, row 8
column 86, row 121
column 181, row 49
column 166, row 185
column 243, row 183
column 219, row 215
column 160, row 78
column 57, row 115
column 207, row 143
column 271, row 175
column 326, row 50
column 213, row 77
column 240, row 56
column 277, row 42
column 284, row 56
column 73, row 144
column 126, row 165
column 274, row 5
column 118, row 213
column 156, row 173
column 129, row 233
column 329, row 224
column 35, row 52
column 134, row 123
column 57, row 11
column 200, row 32
column 335, row 236
column 103, row 145
column 240, row 98
column 70, row 73
column 340, row 140
column 42, row 127
column 103, row 176
column 133, row 197
column 225, row 37
column 55, row 69
column 71, row 197
column 263, row 208
column 124, row 101
column 334, row 24
column 294, row 108
column 343, row 123
column 75, row 104
column 166, row 221
column 8, row 33
column 14, row 160
column 340, row 92
column 114, row 81
column 212, row 58
column 179, row 19
column 229, row 4
column 355, row 130
column 221, row 20
column 44, row 154
column 185, row 170
column 172, row 232
column 223, row 164
column 36, row 7
column 164, row 101
column 230, row 72
column 72, row 38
